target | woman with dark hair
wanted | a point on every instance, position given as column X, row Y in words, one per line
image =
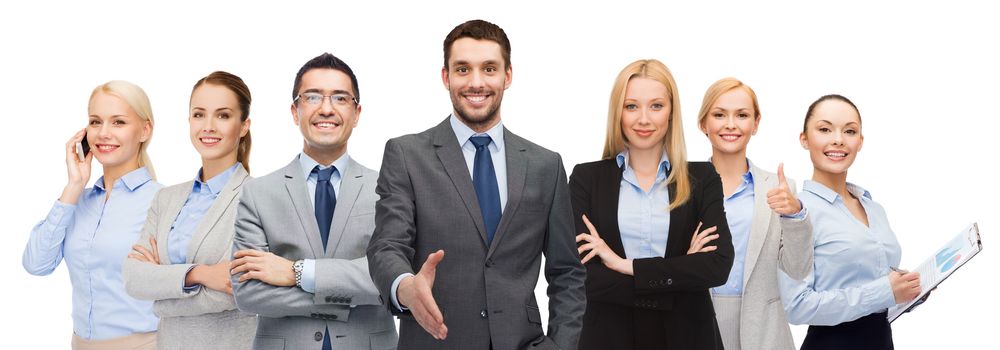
column 637, row 209
column 854, row 279
column 182, row 259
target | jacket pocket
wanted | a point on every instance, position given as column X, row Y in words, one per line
column 264, row 342
column 534, row 316
column 384, row 340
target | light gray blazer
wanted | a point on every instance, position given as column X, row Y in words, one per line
column 774, row 243
column 204, row 319
column 486, row 292
column 276, row 215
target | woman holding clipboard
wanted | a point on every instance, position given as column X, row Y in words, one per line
column 853, row 280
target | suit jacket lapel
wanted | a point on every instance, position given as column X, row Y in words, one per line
column 350, row 187
column 449, row 152
column 296, row 186
column 677, row 239
column 214, row 214
column 162, row 234
column 609, row 190
column 516, row 171
column 761, row 220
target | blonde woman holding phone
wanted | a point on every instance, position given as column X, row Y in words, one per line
column 93, row 228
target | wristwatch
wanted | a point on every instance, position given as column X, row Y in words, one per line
column 297, row 267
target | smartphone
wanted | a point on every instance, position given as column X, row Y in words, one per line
column 82, row 148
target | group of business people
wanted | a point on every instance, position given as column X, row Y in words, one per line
column 643, row 249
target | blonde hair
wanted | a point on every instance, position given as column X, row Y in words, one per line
column 136, row 98
column 723, row 86
column 615, row 142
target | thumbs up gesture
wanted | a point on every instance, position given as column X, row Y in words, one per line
column 781, row 199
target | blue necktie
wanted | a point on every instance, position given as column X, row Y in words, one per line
column 484, row 178
column 326, row 201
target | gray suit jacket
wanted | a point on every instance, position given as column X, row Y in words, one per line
column 204, row 319
column 485, row 292
column 774, row 243
column 276, row 215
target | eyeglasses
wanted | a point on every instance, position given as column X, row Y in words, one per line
column 316, row 99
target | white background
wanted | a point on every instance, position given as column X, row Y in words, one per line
column 924, row 77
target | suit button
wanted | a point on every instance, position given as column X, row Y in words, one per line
column 652, row 283
column 670, row 281
column 333, row 317
column 489, row 262
column 318, row 336
column 329, row 299
column 313, row 315
column 483, row 313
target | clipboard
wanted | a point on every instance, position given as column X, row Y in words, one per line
column 945, row 261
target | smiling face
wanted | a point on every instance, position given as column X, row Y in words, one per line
column 215, row 123
column 114, row 131
column 645, row 114
column 326, row 127
column 731, row 122
column 833, row 137
column 476, row 77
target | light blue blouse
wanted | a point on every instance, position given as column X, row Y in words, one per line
column 851, row 261
column 739, row 214
column 202, row 195
column 94, row 236
column 643, row 217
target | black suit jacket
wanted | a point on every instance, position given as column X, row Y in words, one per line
column 666, row 304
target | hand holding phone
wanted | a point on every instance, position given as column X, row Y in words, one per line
column 78, row 159
column 82, row 148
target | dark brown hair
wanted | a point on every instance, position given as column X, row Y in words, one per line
column 836, row 97
column 238, row 87
column 480, row 30
column 326, row 61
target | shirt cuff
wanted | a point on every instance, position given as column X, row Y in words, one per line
column 797, row 216
column 881, row 296
column 308, row 282
column 193, row 288
column 395, row 285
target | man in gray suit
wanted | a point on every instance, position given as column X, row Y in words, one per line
column 301, row 232
column 494, row 202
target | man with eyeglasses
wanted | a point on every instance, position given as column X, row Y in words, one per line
column 467, row 209
column 302, row 231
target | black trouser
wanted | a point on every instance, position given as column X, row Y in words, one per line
column 871, row 332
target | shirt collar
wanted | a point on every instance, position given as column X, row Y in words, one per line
column 829, row 195
column 748, row 176
column 217, row 182
column 464, row 132
column 132, row 180
column 307, row 164
column 622, row 159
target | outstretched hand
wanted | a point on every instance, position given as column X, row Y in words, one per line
column 414, row 292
